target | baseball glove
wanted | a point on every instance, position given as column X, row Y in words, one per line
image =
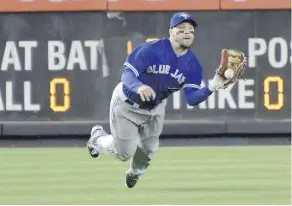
column 232, row 66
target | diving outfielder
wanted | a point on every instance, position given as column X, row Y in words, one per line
column 153, row 71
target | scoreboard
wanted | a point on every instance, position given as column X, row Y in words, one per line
column 68, row 87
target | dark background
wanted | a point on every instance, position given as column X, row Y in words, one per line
column 90, row 90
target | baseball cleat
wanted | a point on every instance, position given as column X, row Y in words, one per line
column 131, row 180
column 93, row 138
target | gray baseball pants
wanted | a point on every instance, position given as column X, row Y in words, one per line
column 135, row 132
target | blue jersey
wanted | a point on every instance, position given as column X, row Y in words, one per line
column 156, row 65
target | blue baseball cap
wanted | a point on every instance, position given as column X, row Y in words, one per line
column 180, row 17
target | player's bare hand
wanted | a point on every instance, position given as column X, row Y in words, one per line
column 146, row 93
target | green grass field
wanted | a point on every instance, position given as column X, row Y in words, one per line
column 185, row 175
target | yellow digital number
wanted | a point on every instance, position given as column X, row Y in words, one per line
column 129, row 47
column 53, row 99
column 151, row 39
column 130, row 44
column 280, row 100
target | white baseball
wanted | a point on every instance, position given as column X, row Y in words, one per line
column 229, row 73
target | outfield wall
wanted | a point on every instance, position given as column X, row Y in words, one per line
column 58, row 70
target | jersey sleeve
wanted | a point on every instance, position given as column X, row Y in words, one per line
column 139, row 60
column 194, row 76
column 192, row 87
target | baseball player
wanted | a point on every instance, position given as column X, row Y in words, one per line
column 153, row 71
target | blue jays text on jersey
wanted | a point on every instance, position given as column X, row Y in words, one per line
column 164, row 69
column 157, row 65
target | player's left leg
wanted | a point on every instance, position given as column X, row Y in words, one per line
column 147, row 145
column 141, row 160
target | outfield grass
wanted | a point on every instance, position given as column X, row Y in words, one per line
column 186, row 175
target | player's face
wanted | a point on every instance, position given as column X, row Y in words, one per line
column 183, row 34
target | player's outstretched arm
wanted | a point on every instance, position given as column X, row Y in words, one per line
column 230, row 59
column 195, row 96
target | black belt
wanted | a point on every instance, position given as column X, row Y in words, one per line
column 143, row 106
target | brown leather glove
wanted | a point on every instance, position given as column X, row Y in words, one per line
column 235, row 62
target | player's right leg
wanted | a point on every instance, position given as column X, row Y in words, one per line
column 122, row 142
column 117, row 146
column 96, row 132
